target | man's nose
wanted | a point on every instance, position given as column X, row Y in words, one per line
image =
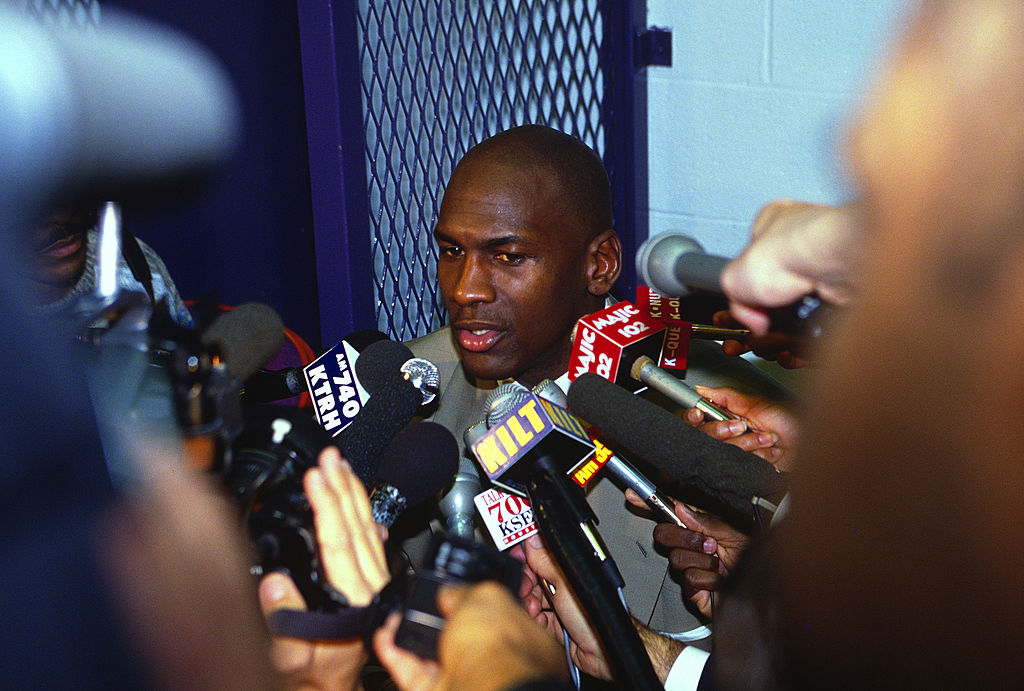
column 475, row 282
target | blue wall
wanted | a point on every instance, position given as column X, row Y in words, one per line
column 752, row 107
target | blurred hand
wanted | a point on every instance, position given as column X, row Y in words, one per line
column 795, row 249
column 180, row 576
column 352, row 554
column 488, row 643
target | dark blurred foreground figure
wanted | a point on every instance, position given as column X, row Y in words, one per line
column 136, row 586
column 901, row 564
column 64, row 250
column 139, row 585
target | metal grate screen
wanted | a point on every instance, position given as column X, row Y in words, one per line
column 439, row 76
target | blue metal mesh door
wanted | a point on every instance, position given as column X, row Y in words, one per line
column 439, row 76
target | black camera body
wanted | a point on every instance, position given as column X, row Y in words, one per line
column 263, row 471
column 451, row 560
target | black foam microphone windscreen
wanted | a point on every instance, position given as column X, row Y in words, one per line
column 379, row 361
column 364, row 338
column 418, row 463
column 642, row 429
column 266, row 386
column 248, row 337
column 382, row 417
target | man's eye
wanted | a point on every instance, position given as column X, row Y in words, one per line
column 508, row 258
column 450, row 252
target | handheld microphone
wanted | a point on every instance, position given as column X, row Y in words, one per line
column 609, row 340
column 247, row 337
column 668, row 310
column 416, row 465
column 529, row 447
column 387, row 411
column 525, row 444
column 458, row 504
column 676, row 389
column 531, row 428
column 622, row 470
column 386, row 356
column 107, row 111
column 267, row 386
column 503, row 400
column 627, row 475
column 383, row 416
column 724, row 472
column 334, row 386
column 206, row 381
column 620, row 343
column 677, row 265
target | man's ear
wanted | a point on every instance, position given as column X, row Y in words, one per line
column 605, row 262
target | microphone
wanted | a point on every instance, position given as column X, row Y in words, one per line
column 246, row 338
column 386, row 356
column 457, row 503
column 416, row 465
column 503, row 400
column 267, row 386
column 620, row 343
column 607, row 342
column 621, row 469
column 127, row 101
column 333, row 384
column 676, row 389
column 206, row 380
column 385, row 414
column 724, row 472
column 528, row 448
column 677, row 265
column 531, row 428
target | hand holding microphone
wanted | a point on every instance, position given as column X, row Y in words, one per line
column 796, row 249
column 800, row 257
column 765, row 427
column 725, row 473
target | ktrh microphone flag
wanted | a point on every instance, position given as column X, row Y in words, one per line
column 336, row 392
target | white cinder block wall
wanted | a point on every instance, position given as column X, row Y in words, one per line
column 753, row 105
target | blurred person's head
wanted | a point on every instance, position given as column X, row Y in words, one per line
column 58, row 250
column 911, row 502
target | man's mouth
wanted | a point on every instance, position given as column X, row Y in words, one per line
column 477, row 340
column 63, row 246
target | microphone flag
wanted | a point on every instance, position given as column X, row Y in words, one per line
column 337, row 394
column 608, row 341
column 535, row 424
column 667, row 310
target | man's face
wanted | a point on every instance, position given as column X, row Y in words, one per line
column 513, row 272
column 58, row 251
